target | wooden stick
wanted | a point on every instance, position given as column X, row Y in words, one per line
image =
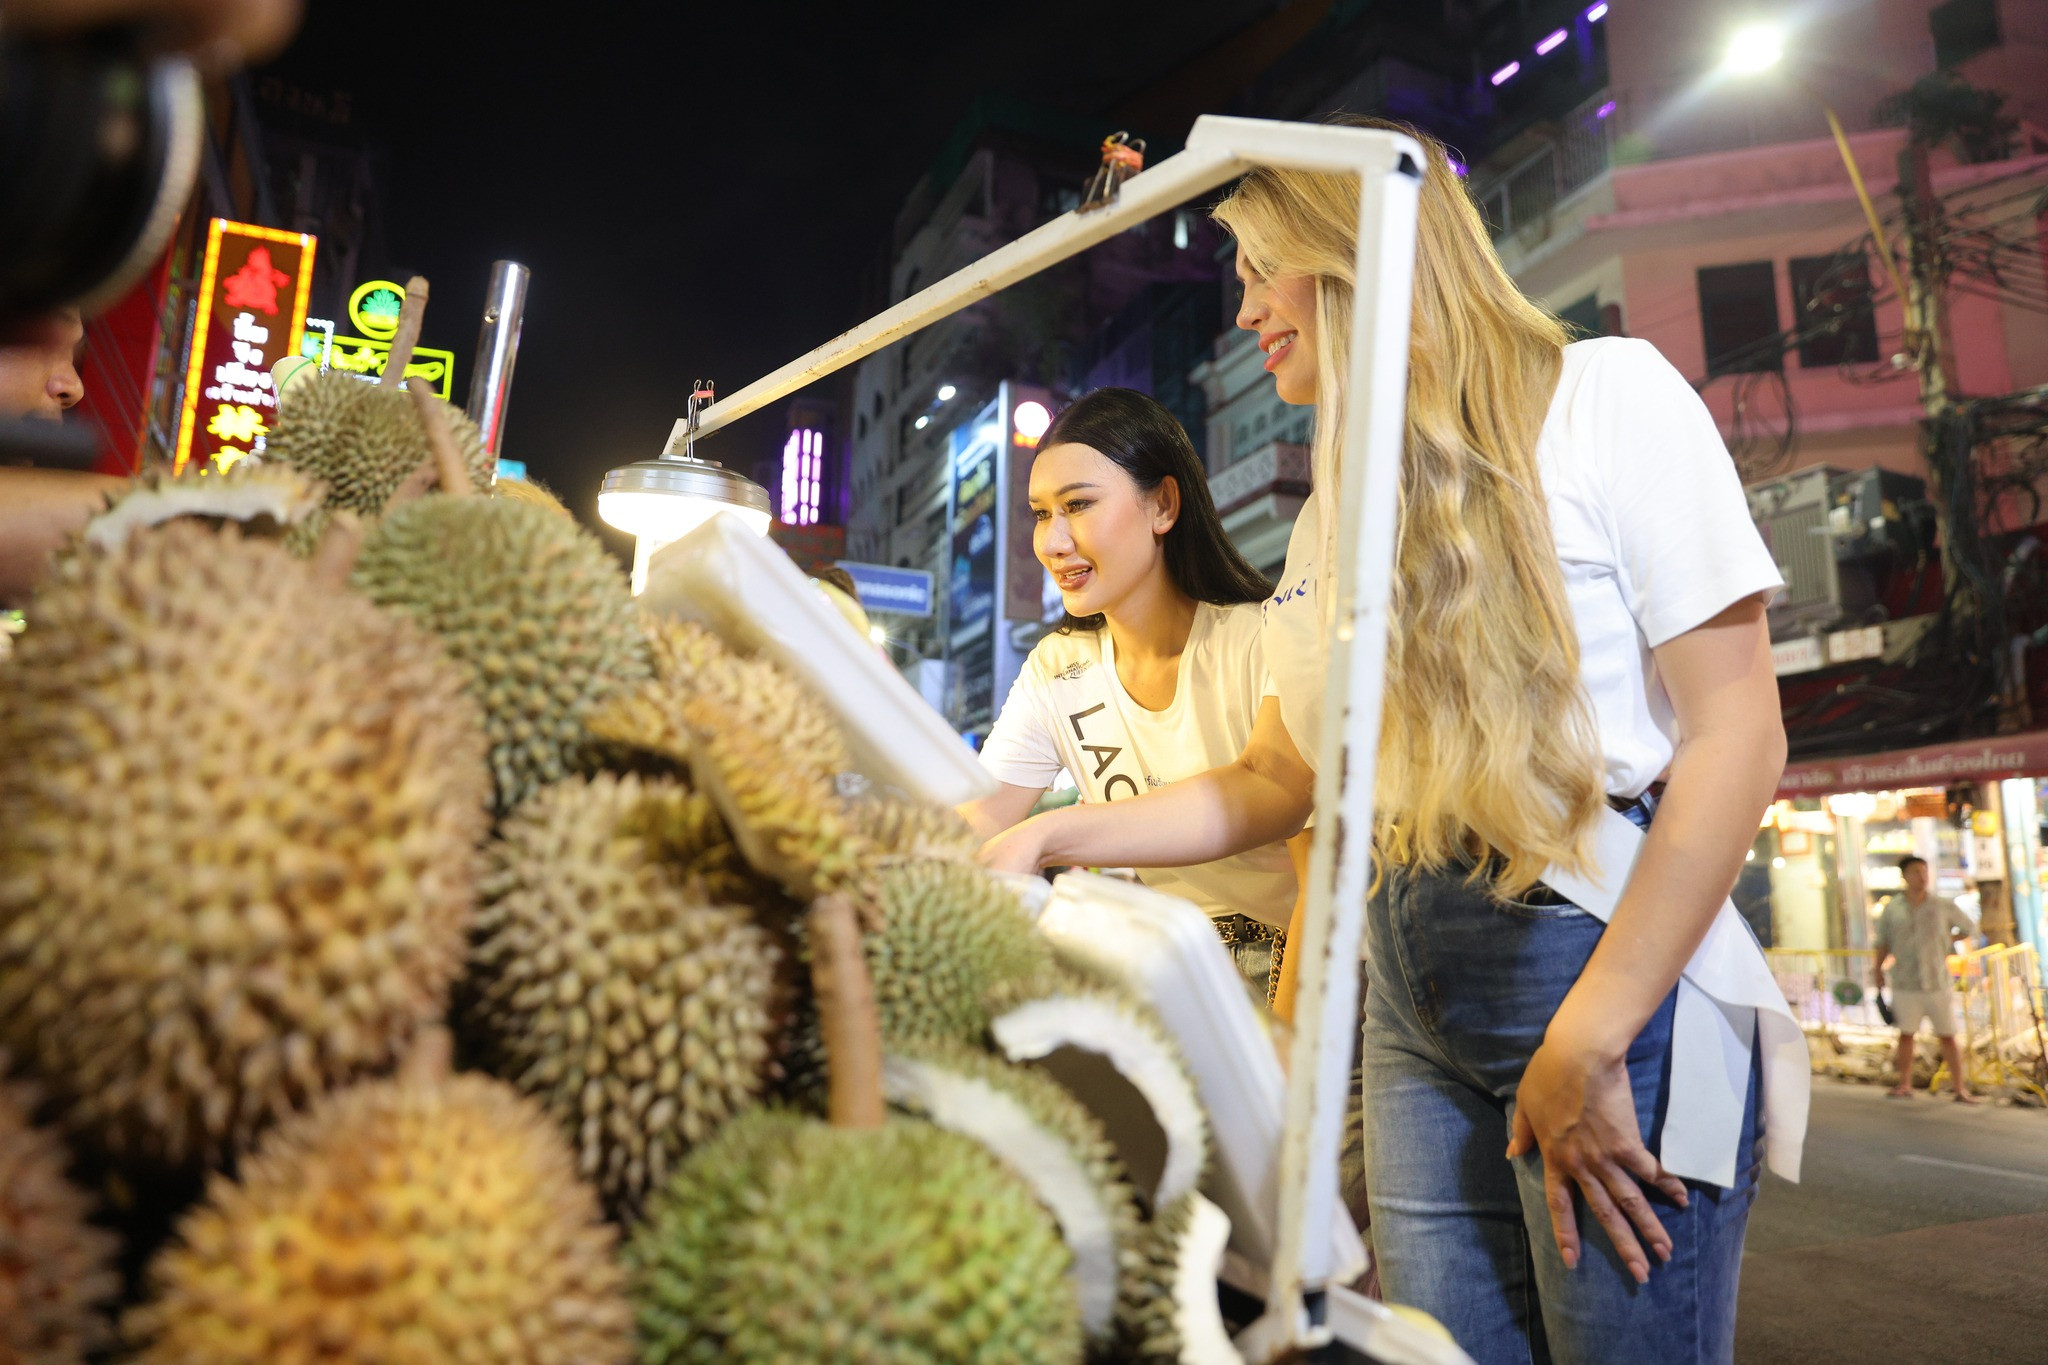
column 431, row 1058
column 448, row 464
column 334, row 558
column 407, row 336
column 846, row 1012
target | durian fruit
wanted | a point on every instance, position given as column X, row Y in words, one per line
column 363, row 441
column 530, row 604
column 867, row 1240
column 421, row 1219
column 247, row 493
column 951, row 938
column 759, row 745
column 1030, row 1122
column 1167, row 1312
column 56, row 1270
column 947, row 940
column 238, row 818
column 617, row 988
column 1066, row 1018
column 526, row 490
column 911, row 829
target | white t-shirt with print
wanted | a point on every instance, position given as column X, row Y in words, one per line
column 1651, row 527
column 1068, row 709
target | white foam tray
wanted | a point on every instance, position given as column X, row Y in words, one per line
column 744, row 587
column 1165, row 949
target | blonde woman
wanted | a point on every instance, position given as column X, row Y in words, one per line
column 1577, row 617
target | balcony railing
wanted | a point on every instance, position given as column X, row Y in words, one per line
column 1531, row 187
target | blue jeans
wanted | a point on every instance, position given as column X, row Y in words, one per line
column 1462, row 990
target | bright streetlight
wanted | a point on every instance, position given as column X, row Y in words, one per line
column 1754, row 48
column 946, row 392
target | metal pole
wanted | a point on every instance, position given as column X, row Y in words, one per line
column 497, row 348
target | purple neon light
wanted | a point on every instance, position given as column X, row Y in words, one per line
column 1597, row 13
column 1460, row 167
column 1604, row 110
column 1506, row 73
column 1549, row 44
column 803, row 469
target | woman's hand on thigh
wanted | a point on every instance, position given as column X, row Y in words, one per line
column 1575, row 1106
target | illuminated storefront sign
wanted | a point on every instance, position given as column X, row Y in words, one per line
column 803, row 470
column 252, row 309
column 373, row 308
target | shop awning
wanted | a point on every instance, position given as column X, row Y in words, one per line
column 1932, row 765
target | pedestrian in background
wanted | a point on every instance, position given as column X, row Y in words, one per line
column 1916, row 929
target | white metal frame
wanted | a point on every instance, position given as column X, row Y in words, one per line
column 1389, row 167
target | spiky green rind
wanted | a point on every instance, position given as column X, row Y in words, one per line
column 951, row 938
column 612, row 987
column 1146, row 1330
column 676, row 1257
column 531, row 605
column 1051, row 1106
column 904, row 1244
column 363, row 440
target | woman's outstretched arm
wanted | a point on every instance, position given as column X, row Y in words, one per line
column 1263, row 797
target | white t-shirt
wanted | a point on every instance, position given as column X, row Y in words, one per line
column 1068, row 709
column 1651, row 526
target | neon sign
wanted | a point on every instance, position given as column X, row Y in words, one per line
column 374, row 308
column 803, row 468
column 252, row 308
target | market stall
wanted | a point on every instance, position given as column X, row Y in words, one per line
column 414, row 949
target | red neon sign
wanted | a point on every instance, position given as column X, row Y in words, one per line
column 252, row 312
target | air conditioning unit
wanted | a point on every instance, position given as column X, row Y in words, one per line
column 1831, row 531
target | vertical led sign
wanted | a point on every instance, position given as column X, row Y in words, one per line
column 251, row 311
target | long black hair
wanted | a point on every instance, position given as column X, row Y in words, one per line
column 1138, row 435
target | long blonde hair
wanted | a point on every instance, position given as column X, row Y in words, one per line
column 1488, row 752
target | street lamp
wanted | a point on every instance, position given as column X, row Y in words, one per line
column 1756, row 48
column 664, row 499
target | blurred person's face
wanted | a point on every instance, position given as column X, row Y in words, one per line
column 1916, row 880
column 39, row 367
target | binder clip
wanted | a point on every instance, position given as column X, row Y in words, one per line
column 702, row 395
column 1123, row 156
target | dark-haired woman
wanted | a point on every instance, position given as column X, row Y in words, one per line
column 1157, row 671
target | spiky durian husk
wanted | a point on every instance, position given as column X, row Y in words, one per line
column 531, row 605
column 612, row 986
column 947, row 940
column 1070, row 1006
column 1062, row 1153
column 950, row 938
column 912, row 829
column 1147, row 1326
column 363, row 440
column 525, row 490
column 397, row 1221
column 238, row 815
column 747, row 690
column 789, row 1240
column 760, row 745
column 56, row 1270
column 258, row 497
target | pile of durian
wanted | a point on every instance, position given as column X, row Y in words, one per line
column 411, row 953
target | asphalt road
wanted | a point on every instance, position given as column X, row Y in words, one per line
column 1918, row 1233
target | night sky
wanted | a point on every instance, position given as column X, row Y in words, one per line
column 698, row 189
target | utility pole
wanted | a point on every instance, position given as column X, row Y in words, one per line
column 1930, row 349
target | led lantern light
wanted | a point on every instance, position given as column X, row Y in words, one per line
column 1506, row 73
column 1551, row 43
